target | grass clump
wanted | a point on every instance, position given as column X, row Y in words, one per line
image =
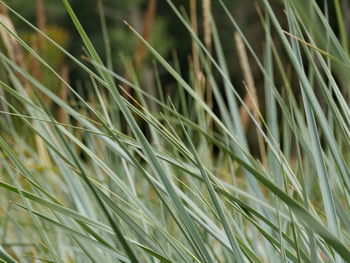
column 208, row 174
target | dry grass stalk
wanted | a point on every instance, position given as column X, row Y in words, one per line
column 141, row 51
column 251, row 99
column 206, row 7
column 37, row 40
column 195, row 52
column 63, row 94
column 207, row 23
column 40, row 21
column 3, row 10
column 148, row 22
column 13, row 48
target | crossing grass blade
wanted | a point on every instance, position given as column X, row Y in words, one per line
column 130, row 176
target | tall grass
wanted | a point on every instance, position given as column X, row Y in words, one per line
column 82, row 181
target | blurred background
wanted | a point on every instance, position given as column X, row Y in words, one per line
column 154, row 19
column 120, row 49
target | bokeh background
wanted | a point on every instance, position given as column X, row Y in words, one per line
column 124, row 53
column 153, row 18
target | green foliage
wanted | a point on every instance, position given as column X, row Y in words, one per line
column 126, row 174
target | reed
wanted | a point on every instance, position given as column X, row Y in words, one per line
column 108, row 178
